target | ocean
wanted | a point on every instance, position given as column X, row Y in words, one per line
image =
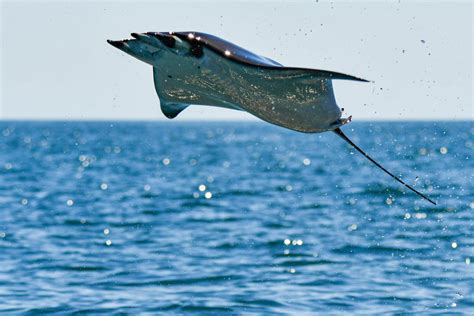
column 220, row 218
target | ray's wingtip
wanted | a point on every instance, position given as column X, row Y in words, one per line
column 349, row 77
column 362, row 79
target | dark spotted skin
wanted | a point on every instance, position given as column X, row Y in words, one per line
column 197, row 41
column 243, row 56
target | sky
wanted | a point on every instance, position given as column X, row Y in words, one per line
column 56, row 64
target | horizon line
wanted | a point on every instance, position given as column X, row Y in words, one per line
column 187, row 120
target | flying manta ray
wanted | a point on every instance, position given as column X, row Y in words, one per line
column 198, row 68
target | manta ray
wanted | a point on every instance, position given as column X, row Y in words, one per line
column 194, row 68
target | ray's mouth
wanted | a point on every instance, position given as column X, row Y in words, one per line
column 117, row 44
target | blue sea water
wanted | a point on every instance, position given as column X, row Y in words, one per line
column 234, row 218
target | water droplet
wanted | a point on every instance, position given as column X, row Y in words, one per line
column 292, row 270
column 287, row 242
column 195, row 195
column 389, row 201
column 454, row 245
column 202, row 188
column 106, row 231
column 227, row 53
column 208, row 195
column 352, row 227
column 147, row 187
column 443, row 150
column 468, row 261
column 104, row 186
column 306, row 162
column 24, row 201
column 422, row 151
column 70, row 202
column 299, row 242
column 2, row 234
column 420, row 215
column 8, row 166
column 108, row 242
column 289, row 188
column 407, row 216
column 166, row 161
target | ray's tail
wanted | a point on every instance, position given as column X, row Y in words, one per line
column 339, row 132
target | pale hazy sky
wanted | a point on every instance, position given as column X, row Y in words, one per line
column 56, row 64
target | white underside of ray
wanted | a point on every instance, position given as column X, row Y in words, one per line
column 290, row 98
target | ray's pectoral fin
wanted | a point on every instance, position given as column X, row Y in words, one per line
column 324, row 74
column 339, row 132
column 169, row 109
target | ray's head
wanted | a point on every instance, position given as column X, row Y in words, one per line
column 136, row 48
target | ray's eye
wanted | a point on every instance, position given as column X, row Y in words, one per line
column 196, row 50
column 169, row 41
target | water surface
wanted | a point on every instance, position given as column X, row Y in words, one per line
column 234, row 218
